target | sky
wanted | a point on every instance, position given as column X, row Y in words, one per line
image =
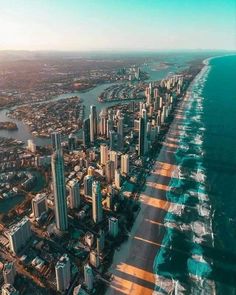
column 80, row 25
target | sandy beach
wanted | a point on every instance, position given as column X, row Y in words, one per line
column 133, row 265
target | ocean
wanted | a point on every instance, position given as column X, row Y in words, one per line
column 199, row 247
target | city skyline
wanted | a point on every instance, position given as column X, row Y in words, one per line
column 107, row 25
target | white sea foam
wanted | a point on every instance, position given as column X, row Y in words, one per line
column 201, row 229
column 199, row 176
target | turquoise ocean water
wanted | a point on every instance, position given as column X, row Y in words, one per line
column 200, row 238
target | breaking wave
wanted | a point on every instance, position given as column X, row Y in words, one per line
column 181, row 266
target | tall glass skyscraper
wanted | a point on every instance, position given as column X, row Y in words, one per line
column 97, row 202
column 86, row 132
column 142, row 133
column 93, row 123
column 59, row 187
column 56, row 141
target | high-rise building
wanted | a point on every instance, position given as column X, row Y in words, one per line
column 63, row 273
column 149, row 99
column 113, row 155
column 39, row 205
column 88, row 182
column 56, row 141
column 100, row 241
column 31, row 146
column 136, row 125
column 163, row 114
column 160, row 102
column 103, row 154
column 149, row 128
column 88, row 277
column 92, row 155
column 125, row 164
column 94, row 258
column 150, row 88
column 93, row 123
column 74, row 194
column 72, row 142
column 110, row 126
column 59, row 190
column 109, row 200
column 103, row 122
column 9, row 273
column 8, row 289
column 143, row 134
column 156, row 92
column 117, row 178
column 155, row 105
column 141, row 137
column 120, row 131
column 97, row 202
column 19, row 234
column 137, row 73
column 147, row 91
column 86, row 132
column 109, row 171
column 91, row 170
column 112, row 137
column 113, row 227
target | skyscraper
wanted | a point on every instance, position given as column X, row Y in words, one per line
column 143, row 134
column 109, row 171
column 112, row 137
column 88, row 277
column 156, row 92
column 59, row 189
column 74, row 194
column 117, row 178
column 125, row 164
column 109, row 127
column 56, row 141
column 141, row 137
column 9, row 273
column 114, row 158
column 103, row 122
column 103, row 154
column 88, row 182
column 72, row 142
column 97, row 202
column 19, row 234
column 86, row 132
column 63, row 273
column 93, row 123
column 39, row 205
column 113, row 227
column 31, row 146
column 100, row 241
column 94, row 258
column 120, row 131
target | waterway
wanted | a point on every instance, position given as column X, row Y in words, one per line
column 176, row 64
column 8, row 204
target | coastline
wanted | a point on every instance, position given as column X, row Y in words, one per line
column 132, row 266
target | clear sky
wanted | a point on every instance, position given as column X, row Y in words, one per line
column 117, row 24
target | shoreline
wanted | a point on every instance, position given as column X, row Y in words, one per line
column 132, row 266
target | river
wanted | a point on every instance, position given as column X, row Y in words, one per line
column 156, row 72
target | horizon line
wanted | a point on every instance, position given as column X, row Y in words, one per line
column 117, row 50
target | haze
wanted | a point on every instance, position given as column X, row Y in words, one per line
column 117, row 25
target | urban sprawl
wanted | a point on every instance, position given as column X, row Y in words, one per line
column 61, row 238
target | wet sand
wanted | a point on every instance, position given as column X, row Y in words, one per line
column 133, row 265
